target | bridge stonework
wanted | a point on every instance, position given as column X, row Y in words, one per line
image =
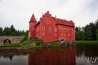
column 10, row 39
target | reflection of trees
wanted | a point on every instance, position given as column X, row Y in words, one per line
column 10, row 53
column 62, row 56
column 10, row 57
column 88, row 50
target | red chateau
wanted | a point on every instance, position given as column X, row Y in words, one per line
column 50, row 28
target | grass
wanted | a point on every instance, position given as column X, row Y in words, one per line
column 30, row 44
column 39, row 44
column 86, row 43
column 24, row 45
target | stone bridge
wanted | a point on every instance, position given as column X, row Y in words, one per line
column 10, row 39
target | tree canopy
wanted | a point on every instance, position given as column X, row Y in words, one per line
column 89, row 32
column 11, row 31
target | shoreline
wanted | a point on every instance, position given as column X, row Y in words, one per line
column 27, row 45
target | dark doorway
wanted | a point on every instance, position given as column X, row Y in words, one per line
column 7, row 41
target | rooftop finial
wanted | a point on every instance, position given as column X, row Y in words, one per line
column 48, row 12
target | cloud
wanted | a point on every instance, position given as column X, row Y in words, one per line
column 77, row 10
column 19, row 12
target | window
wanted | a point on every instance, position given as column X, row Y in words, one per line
column 61, row 29
column 61, row 34
column 32, row 29
column 43, row 29
column 64, row 34
column 67, row 29
column 55, row 29
column 55, row 34
column 48, row 22
column 50, row 34
column 64, row 29
column 68, row 34
column 50, row 29
column 43, row 34
column 37, row 29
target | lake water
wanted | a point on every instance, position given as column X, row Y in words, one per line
column 80, row 55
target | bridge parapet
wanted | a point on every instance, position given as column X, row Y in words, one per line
column 10, row 39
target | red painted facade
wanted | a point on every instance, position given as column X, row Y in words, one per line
column 50, row 28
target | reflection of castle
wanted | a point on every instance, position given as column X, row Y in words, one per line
column 52, row 57
column 50, row 28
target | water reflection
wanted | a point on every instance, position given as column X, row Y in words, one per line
column 62, row 56
column 13, row 57
column 87, row 55
column 82, row 55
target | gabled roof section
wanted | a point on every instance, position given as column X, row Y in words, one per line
column 33, row 18
column 64, row 22
column 58, row 21
column 37, row 23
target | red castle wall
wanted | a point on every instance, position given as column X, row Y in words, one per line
column 51, row 28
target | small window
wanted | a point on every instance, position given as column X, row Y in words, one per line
column 61, row 29
column 43, row 34
column 43, row 29
column 50, row 29
column 64, row 30
column 64, row 35
column 67, row 29
column 37, row 29
column 55, row 34
column 32, row 29
column 48, row 22
column 50, row 34
column 55, row 29
column 68, row 34
column 61, row 34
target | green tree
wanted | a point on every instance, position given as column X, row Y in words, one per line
column 88, row 32
column 1, row 31
column 7, row 31
column 79, row 33
column 97, row 34
column 13, row 30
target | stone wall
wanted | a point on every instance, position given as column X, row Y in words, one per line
column 10, row 39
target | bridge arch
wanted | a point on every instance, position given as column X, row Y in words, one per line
column 7, row 41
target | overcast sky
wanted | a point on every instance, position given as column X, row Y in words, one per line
column 19, row 12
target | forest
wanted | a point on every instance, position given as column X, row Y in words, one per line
column 11, row 31
column 88, row 32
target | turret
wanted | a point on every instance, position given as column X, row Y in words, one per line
column 32, row 24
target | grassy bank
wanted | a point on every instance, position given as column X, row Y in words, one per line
column 86, row 42
column 39, row 44
column 24, row 45
column 30, row 44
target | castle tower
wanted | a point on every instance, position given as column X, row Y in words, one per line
column 32, row 24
